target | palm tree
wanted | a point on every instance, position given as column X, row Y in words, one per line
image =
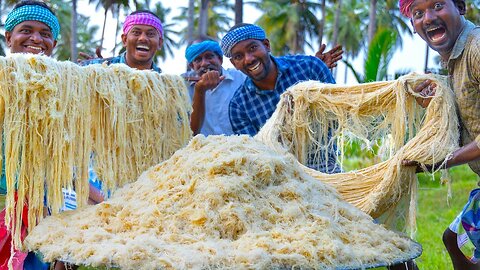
column 321, row 22
column 380, row 52
column 338, row 11
column 218, row 19
column 191, row 21
column 290, row 23
column 203, row 21
column 73, row 30
column 372, row 19
column 168, row 42
column 168, row 33
column 107, row 5
column 352, row 19
column 3, row 45
column 85, row 34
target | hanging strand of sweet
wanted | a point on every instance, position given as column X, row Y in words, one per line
column 55, row 115
column 309, row 111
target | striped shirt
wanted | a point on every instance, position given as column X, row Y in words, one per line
column 464, row 70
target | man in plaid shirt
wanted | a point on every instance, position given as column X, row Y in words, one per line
column 267, row 78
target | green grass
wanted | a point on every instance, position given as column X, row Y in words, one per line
column 435, row 214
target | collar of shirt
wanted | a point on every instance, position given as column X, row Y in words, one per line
column 154, row 67
column 460, row 43
column 281, row 66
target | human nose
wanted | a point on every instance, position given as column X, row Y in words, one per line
column 143, row 36
column 249, row 58
column 204, row 62
column 429, row 16
column 36, row 37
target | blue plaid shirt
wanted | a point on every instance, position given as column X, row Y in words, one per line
column 251, row 107
column 114, row 60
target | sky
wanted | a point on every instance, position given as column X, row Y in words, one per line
column 410, row 57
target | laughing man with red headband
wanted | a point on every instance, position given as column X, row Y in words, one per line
column 441, row 23
column 142, row 37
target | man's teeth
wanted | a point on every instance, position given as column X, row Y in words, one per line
column 34, row 48
column 254, row 67
column 143, row 47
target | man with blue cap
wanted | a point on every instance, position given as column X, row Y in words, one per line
column 211, row 89
column 267, row 78
column 31, row 27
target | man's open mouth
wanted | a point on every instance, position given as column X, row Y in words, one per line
column 436, row 33
column 143, row 48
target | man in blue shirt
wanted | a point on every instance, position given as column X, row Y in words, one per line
column 267, row 78
column 210, row 87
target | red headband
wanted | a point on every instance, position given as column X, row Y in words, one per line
column 404, row 6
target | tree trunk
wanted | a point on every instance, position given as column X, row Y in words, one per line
column 116, row 31
column 336, row 28
column 238, row 11
column 372, row 23
column 74, row 38
column 203, row 21
column 321, row 24
column 103, row 29
column 426, row 59
column 191, row 21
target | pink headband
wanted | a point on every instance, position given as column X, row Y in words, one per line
column 144, row 19
column 404, row 6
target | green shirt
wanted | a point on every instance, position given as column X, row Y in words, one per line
column 464, row 71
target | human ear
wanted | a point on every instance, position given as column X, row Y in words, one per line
column 8, row 38
column 124, row 40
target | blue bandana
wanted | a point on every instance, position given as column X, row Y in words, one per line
column 32, row 13
column 194, row 50
column 248, row 31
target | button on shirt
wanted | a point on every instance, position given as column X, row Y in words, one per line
column 217, row 100
column 250, row 107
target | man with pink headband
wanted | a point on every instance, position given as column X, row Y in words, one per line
column 142, row 37
column 441, row 23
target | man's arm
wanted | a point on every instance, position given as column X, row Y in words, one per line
column 95, row 196
column 465, row 154
column 207, row 81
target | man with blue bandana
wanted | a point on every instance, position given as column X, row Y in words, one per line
column 31, row 27
column 211, row 88
column 267, row 78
